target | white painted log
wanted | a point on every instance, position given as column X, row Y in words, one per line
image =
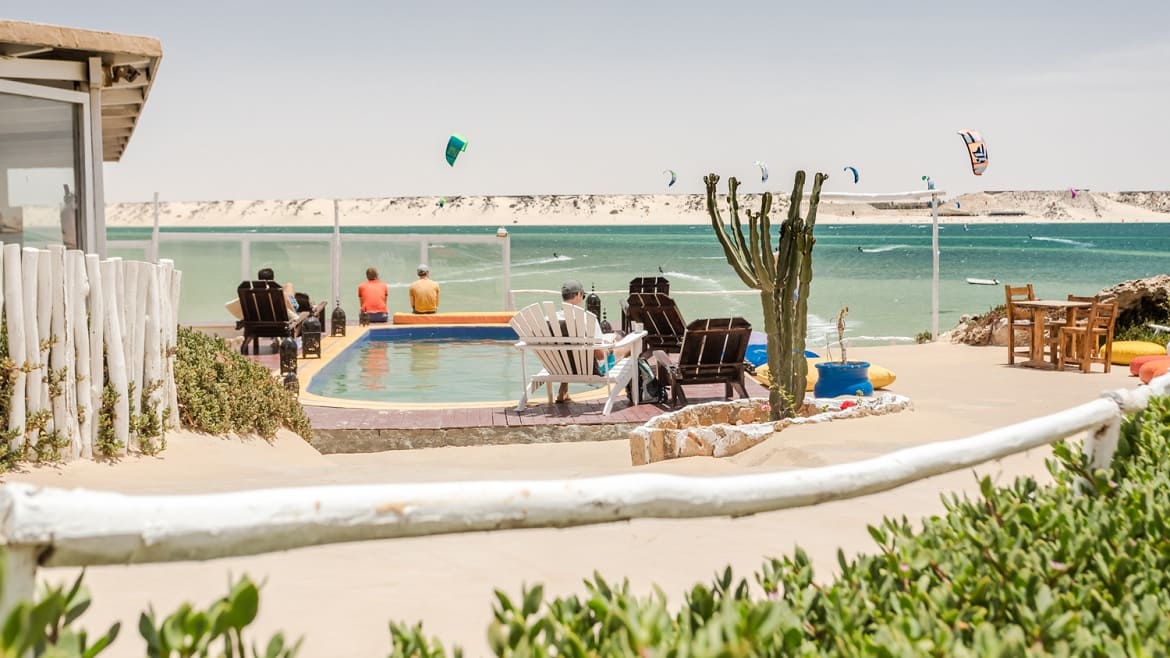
column 44, row 322
column 20, row 578
column 97, row 326
column 175, row 290
column 140, row 310
column 55, row 259
column 14, row 323
column 92, row 527
column 115, row 357
column 131, row 340
column 152, row 366
column 34, row 400
column 78, row 288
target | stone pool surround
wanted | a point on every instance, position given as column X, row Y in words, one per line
column 722, row 429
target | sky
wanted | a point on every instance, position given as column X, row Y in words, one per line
column 293, row 99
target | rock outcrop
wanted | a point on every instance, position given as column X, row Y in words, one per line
column 1141, row 300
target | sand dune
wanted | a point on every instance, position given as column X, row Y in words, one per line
column 650, row 209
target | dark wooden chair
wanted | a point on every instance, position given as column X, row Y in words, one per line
column 661, row 319
column 712, row 353
column 266, row 313
column 643, row 284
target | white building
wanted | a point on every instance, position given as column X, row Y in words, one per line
column 69, row 100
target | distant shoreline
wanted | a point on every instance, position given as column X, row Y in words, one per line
column 1052, row 207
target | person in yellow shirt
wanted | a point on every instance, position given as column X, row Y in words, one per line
column 424, row 293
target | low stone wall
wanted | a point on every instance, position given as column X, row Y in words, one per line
column 722, row 429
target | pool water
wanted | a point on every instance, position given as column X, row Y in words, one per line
column 427, row 365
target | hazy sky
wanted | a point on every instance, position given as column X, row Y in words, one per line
column 356, row 99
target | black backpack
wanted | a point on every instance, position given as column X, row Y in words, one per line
column 653, row 389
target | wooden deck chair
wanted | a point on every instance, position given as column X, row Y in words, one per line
column 1019, row 320
column 565, row 344
column 1091, row 342
column 712, row 353
column 643, row 284
column 660, row 318
column 266, row 313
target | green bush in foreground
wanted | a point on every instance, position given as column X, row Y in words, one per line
column 46, row 628
column 221, row 391
column 1081, row 568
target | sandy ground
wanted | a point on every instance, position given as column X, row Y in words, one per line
column 626, row 209
column 340, row 597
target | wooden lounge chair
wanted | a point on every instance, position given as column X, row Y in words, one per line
column 712, row 353
column 266, row 313
column 661, row 319
column 643, row 284
column 564, row 345
column 1092, row 342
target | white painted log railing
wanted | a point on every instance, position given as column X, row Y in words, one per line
column 56, row 527
column 70, row 318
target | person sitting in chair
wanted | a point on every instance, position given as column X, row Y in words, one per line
column 372, row 294
column 572, row 292
column 424, row 293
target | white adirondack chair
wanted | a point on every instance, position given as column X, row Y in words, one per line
column 566, row 351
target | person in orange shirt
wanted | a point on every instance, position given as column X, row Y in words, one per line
column 372, row 294
column 424, row 293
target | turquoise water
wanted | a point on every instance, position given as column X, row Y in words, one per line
column 460, row 364
column 886, row 286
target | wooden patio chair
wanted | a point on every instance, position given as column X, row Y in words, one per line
column 565, row 345
column 1092, row 342
column 1019, row 320
column 266, row 313
column 660, row 318
column 712, row 353
column 643, row 284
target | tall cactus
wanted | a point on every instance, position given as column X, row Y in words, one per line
column 782, row 276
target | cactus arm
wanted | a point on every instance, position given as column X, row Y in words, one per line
column 734, row 258
column 736, row 226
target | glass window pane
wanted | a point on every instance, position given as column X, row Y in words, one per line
column 39, row 203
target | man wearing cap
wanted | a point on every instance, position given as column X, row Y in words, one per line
column 572, row 292
column 424, row 293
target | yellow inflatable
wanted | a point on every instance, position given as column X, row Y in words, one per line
column 1124, row 351
column 878, row 376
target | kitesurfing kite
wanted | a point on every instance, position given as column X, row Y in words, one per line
column 856, row 177
column 1073, row 192
column 976, row 149
column 442, row 201
column 673, row 176
column 455, row 145
column 763, row 171
column 929, row 182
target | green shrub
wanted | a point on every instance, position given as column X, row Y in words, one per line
column 46, row 628
column 1079, row 568
column 221, row 391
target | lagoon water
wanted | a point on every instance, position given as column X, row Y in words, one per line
column 881, row 272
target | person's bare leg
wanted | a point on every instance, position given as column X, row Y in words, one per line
column 563, row 393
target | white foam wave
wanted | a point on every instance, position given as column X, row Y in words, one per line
column 543, row 261
column 882, row 250
column 691, row 277
column 1074, row 243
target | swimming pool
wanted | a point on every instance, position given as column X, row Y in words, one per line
column 426, row 364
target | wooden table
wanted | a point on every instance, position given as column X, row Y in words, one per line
column 1040, row 309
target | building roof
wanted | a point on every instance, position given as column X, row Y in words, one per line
column 129, row 66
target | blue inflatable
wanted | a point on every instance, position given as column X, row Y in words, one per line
column 757, row 354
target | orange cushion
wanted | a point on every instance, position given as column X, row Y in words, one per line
column 1138, row 361
column 470, row 317
column 1153, row 369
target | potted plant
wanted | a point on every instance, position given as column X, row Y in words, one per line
column 842, row 377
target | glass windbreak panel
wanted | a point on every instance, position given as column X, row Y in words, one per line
column 470, row 275
column 302, row 266
column 211, row 274
column 39, row 202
